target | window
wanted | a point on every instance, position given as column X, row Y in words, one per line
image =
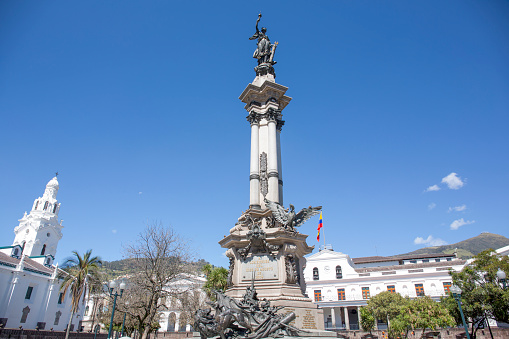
column 391, row 288
column 15, row 253
column 437, row 260
column 315, row 274
column 447, row 286
column 46, row 205
column 57, row 318
column 43, row 249
column 339, row 272
column 413, row 261
column 60, row 298
column 341, row 294
column 449, row 259
column 425, row 260
column 55, row 208
column 419, row 290
column 318, row 295
column 36, row 204
column 365, row 293
column 24, row 315
column 28, row 295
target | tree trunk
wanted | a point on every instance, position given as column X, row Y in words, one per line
column 145, row 332
column 69, row 324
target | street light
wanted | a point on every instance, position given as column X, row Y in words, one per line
column 123, row 322
column 456, row 293
column 501, row 277
column 113, row 284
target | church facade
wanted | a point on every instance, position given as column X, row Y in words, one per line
column 30, row 295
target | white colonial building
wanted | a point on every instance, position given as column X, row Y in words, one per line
column 341, row 285
column 30, row 293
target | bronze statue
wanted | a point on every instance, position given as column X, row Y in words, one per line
column 265, row 50
column 288, row 218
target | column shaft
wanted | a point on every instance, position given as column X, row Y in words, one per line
column 254, row 175
column 347, row 319
column 272, row 162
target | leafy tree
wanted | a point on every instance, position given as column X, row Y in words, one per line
column 367, row 320
column 424, row 312
column 216, row 279
column 80, row 272
column 386, row 305
column 482, row 295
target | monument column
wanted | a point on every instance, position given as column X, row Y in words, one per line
column 273, row 194
column 254, row 175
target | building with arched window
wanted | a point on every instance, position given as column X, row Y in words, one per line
column 30, row 293
column 340, row 285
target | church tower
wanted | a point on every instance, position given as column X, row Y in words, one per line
column 38, row 232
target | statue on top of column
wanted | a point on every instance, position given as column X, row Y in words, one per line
column 265, row 50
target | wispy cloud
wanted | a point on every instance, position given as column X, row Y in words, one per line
column 460, row 222
column 453, row 181
column 432, row 206
column 432, row 188
column 140, row 193
column 457, row 208
column 114, row 231
column 429, row 241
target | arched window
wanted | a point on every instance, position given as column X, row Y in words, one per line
column 315, row 274
column 15, row 252
column 339, row 272
column 46, row 205
column 36, row 205
column 43, row 249
column 55, row 208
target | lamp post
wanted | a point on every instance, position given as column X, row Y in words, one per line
column 501, row 277
column 123, row 322
column 456, row 293
column 113, row 284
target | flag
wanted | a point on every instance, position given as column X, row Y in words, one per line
column 320, row 225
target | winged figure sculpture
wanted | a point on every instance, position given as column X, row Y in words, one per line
column 288, row 218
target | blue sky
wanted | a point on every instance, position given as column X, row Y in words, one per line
column 135, row 104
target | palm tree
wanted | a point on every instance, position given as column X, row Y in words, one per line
column 79, row 270
column 216, row 279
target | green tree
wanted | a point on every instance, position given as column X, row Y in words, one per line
column 386, row 305
column 216, row 279
column 424, row 312
column 80, row 272
column 367, row 320
column 482, row 295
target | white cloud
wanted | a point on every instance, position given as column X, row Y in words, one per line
column 140, row 193
column 460, row 222
column 429, row 241
column 432, row 206
column 457, row 208
column 453, row 181
column 114, row 231
column 432, row 188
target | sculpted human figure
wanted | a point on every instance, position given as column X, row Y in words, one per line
column 262, row 52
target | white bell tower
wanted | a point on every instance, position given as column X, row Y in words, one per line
column 38, row 232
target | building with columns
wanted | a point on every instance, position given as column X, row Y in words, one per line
column 340, row 285
column 30, row 293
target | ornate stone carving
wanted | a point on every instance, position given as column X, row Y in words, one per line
column 264, row 179
column 256, row 318
column 229, row 280
column 292, row 273
column 253, row 118
column 257, row 243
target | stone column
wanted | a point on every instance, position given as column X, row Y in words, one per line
column 333, row 317
column 347, row 319
column 279, row 126
column 272, row 170
column 359, row 317
column 254, row 173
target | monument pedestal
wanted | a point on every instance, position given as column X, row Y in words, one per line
column 262, row 251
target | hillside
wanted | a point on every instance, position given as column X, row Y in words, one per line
column 467, row 248
column 113, row 269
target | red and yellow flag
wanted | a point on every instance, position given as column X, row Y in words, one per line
column 320, row 225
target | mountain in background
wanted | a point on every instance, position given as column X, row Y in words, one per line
column 467, row 248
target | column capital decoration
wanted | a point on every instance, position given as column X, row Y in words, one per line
column 279, row 125
column 274, row 115
column 254, row 118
